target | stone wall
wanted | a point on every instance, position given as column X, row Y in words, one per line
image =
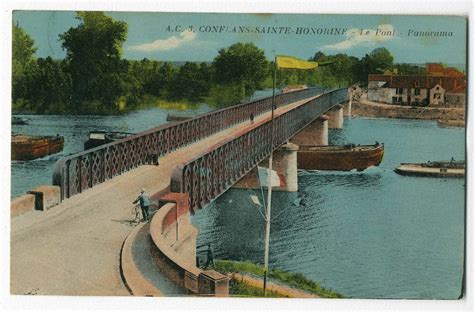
column 22, row 204
column 41, row 198
column 394, row 111
column 455, row 100
column 175, row 251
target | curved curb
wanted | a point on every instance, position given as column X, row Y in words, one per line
column 133, row 279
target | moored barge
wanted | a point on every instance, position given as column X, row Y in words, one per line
column 171, row 117
column 454, row 169
column 340, row 157
column 28, row 147
column 97, row 138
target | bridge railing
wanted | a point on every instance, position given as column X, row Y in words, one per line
column 81, row 171
column 212, row 173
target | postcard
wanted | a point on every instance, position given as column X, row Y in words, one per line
column 238, row 155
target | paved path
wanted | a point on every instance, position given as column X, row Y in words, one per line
column 74, row 248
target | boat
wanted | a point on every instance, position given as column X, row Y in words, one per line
column 291, row 88
column 28, row 147
column 19, row 120
column 170, row 117
column 451, row 168
column 340, row 157
column 97, row 138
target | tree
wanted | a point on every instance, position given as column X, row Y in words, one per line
column 188, row 83
column 409, row 69
column 376, row 62
column 243, row 64
column 94, row 50
column 23, row 62
column 48, row 87
column 23, row 50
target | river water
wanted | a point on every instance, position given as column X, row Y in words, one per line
column 371, row 234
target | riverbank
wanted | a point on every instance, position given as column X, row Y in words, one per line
column 453, row 117
column 246, row 281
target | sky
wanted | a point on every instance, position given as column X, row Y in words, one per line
column 168, row 36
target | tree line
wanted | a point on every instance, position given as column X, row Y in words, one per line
column 94, row 78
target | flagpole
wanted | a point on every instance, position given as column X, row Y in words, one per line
column 269, row 187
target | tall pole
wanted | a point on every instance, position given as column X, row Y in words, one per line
column 269, row 186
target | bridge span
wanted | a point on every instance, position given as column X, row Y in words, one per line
column 74, row 248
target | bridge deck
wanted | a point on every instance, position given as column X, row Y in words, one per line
column 74, row 248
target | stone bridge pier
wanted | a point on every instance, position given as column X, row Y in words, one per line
column 316, row 133
column 336, row 117
column 284, row 163
column 348, row 104
column 348, row 108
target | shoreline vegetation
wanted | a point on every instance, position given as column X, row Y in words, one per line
column 95, row 79
column 247, row 276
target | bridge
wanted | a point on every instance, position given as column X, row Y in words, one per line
column 84, row 245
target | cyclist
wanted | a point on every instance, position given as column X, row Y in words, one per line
column 144, row 204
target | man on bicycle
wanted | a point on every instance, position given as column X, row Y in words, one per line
column 144, row 204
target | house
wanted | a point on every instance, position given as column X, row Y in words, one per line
column 442, row 87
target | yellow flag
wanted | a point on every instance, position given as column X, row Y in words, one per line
column 293, row 62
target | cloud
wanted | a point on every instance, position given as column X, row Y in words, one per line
column 165, row 44
column 384, row 32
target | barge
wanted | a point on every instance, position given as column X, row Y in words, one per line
column 28, row 147
column 452, row 168
column 170, row 117
column 340, row 157
column 97, row 138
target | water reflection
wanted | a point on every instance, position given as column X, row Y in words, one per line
column 369, row 178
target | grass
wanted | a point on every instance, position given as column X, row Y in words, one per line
column 242, row 289
column 296, row 280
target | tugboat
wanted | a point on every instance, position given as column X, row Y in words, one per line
column 340, row 157
column 97, row 138
column 452, row 168
column 28, row 147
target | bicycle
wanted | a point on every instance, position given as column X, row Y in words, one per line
column 136, row 213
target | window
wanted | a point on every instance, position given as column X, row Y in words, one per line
column 437, row 96
column 417, row 91
column 399, row 91
column 396, row 100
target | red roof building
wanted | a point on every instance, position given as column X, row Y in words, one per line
column 429, row 89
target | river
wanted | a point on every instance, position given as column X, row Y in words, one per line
column 371, row 234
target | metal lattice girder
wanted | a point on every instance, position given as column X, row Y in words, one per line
column 234, row 158
column 84, row 170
